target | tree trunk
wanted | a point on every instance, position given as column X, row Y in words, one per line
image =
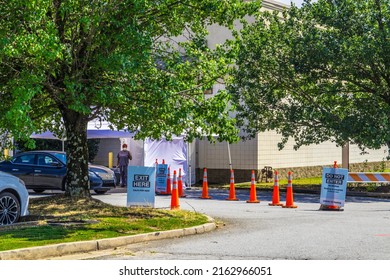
column 77, row 179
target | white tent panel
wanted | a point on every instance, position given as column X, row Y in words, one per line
column 173, row 152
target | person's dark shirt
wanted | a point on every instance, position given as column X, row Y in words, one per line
column 124, row 157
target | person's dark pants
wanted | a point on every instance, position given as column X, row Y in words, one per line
column 123, row 172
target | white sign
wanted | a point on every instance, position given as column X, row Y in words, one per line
column 334, row 186
column 141, row 186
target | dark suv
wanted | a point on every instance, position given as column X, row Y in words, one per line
column 44, row 170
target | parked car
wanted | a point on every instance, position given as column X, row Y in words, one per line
column 44, row 170
column 13, row 199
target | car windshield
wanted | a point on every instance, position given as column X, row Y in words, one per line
column 60, row 156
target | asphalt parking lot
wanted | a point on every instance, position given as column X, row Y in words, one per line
column 259, row 231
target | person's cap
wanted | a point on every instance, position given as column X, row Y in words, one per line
column 124, row 146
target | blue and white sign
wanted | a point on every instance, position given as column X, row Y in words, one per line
column 334, row 186
column 140, row 186
column 161, row 178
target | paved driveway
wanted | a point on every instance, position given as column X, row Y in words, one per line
column 259, row 231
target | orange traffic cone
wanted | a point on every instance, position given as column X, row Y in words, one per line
column 232, row 193
column 289, row 195
column 175, row 194
column 180, row 185
column 205, row 190
column 169, row 183
column 275, row 195
column 331, row 207
column 252, row 196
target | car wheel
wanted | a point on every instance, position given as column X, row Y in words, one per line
column 38, row 190
column 9, row 208
column 100, row 192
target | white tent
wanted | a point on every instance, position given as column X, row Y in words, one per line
column 173, row 152
column 176, row 153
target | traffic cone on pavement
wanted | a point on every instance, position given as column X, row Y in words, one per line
column 180, row 185
column 205, row 189
column 276, row 195
column 169, row 183
column 252, row 195
column 175, row 194
column 232, row 193
column 289, row 195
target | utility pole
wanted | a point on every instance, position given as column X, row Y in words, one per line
column 345, row 156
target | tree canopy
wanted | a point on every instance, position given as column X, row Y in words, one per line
column 142, row 65
column 317, row 73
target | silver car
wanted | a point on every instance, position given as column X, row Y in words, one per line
column 14, row 199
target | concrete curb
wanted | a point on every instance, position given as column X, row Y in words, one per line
column 44, row 252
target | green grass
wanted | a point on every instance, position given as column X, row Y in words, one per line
column 63, row 220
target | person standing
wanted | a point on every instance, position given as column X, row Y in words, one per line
column 124, row 156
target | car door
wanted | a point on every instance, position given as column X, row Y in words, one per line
column 48, row 172
column 22, row 166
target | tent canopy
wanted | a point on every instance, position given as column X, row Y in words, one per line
column 95, row 130
column 91, row 134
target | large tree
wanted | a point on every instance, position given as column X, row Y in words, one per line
column 142, row 65
column 318, row 73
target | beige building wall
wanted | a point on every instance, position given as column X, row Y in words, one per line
column 215, row 158
column 218, row 34
column 270, row 155
column 313, row 155
column 370, row 155
column 216, row 155
column 263, row 151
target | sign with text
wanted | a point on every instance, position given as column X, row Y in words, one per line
column 161, row 178
column 140, row 186
column 334, row 186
